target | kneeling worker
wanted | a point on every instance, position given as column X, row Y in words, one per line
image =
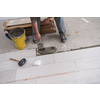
column 36, row 28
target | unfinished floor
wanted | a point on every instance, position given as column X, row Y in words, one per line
column 70, row 66
column 84, row 32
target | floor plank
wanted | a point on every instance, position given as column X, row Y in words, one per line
column 45, row 70
column 88, row 63
column 81, row 77
column 7, row 76
column 77, row 54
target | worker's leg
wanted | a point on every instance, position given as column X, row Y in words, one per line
column 61, row 28
column 33, row 32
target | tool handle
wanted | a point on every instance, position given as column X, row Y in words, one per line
column 14, row 59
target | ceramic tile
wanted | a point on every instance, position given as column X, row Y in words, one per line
column 18, row 55
column 55, row 68
column 25, row 73
column 7, row 76
column 45, row 70
column 81, row 77
column 78, row 54
column 9, row 65
column 88, row 63
column 46, row 59
column 19, row 21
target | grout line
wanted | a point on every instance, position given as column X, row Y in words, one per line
column 88, row 58
column 88, row 69
column 75, row 65
column 43, row 76
column 54, row 58
column 15, row 75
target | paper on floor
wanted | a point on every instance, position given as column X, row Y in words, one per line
column 85, row 20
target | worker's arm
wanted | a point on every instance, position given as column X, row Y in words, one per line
column 46, row 21
column 38, row 36
column 35, row 27
column 49, row 18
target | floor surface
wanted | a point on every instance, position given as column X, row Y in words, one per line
column 80, row 66
column 74, row 67
column 84, row 32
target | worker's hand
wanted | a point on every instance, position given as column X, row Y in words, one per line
column 38, row 37
column 46, row 21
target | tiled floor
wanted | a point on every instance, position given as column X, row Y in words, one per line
column 74, row 67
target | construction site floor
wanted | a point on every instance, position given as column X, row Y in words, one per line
column 78, row 60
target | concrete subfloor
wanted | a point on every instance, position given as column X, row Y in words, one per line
column 88, row 34
column 78, row 66
column 84, row 32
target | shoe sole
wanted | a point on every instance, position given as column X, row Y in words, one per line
column 63, row 41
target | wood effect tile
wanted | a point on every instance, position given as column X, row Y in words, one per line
column 81, row 77
column 88, row 63
column 18, row 54
column 7, row 76
column 45, row 70
column 77, row 54
column 9, row 65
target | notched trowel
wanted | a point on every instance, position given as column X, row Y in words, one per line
column 46, row 50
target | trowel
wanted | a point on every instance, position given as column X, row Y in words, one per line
column 46, row 50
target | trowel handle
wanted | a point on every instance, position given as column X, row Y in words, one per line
column 14, row 59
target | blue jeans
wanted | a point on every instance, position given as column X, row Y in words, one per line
column 59, row 22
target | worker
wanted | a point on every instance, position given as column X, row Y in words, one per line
column 36, row 28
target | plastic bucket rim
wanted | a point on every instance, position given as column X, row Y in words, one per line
column 18, row 36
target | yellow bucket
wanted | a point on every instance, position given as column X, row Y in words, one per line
column 19, row 38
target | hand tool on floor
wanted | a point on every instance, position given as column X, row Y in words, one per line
column 46, row 50
column 21, row 62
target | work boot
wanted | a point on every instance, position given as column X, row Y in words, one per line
column 63, row 38
column 35, row 40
